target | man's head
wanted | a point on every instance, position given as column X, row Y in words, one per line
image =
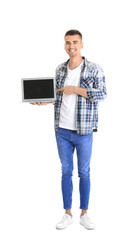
column 73, row 43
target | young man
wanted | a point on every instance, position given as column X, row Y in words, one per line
column 80, row 84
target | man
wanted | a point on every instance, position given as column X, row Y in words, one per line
column 80, row 84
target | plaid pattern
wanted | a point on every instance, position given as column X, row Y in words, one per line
column 92, row 78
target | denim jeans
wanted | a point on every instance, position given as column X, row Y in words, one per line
column 67, row 141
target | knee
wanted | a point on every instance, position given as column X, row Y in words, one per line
column 84, row 174
column 67, row 172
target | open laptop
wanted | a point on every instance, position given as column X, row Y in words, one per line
column 38, row 89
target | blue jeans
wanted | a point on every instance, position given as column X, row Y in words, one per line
column 67, row 141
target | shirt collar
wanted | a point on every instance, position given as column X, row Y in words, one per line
column 84, row 63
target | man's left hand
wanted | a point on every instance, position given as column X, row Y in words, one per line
column 68, row 90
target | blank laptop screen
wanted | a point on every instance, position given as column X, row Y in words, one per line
column 36, row 89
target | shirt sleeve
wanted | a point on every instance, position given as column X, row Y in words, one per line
column 56, row 77
column 98, row 92
column 56, row 82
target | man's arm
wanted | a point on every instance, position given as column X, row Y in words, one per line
column 72, row 89
column 98, row 92
column 81, row 91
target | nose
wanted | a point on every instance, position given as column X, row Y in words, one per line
column 71, row 45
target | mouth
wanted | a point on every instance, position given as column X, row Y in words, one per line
column 72, row 50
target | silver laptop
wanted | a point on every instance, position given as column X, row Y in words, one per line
column 38, row 89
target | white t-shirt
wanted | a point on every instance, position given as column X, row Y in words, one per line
column 68, row 106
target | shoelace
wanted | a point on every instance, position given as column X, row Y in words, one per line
column 86, row 219
column 63, row 219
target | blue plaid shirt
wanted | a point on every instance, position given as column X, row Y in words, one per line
column 92, row 78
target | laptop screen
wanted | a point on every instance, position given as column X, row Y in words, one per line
column 40, row 89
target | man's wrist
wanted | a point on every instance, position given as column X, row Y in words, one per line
column 74, row 89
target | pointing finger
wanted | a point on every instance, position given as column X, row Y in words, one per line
column 58, row 90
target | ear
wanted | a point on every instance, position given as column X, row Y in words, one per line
column 82, row 45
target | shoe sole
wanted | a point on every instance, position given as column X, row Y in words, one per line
column 58, row 228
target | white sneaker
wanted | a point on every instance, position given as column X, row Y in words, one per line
column 86, row 222
column 66, row 220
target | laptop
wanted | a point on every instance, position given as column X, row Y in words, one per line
column 38, row 89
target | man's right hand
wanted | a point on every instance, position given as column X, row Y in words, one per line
column 40, row 103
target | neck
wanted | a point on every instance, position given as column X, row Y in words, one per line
column 75, row 62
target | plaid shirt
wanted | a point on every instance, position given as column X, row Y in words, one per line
column 92, row 78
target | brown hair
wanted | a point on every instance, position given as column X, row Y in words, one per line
column 73, row 32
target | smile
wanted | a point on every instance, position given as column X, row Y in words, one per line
column 72, row 50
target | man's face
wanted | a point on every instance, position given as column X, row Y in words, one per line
column 73, row 45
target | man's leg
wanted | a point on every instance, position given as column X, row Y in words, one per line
column 84, row 150
column 65, row 151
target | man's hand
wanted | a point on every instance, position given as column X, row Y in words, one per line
column 40, row 103
column 67, row 90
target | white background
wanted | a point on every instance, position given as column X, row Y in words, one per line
column 32, row 45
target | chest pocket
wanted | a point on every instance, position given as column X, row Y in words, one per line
column 87, row 80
